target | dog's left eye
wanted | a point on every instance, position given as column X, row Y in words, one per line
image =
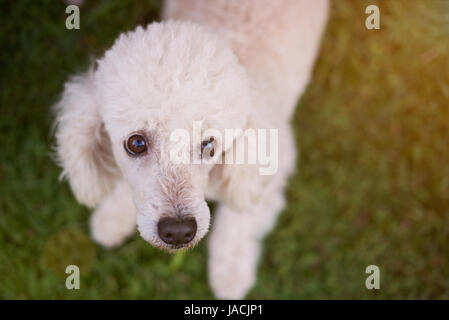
column 207, row 148
column 136, row 145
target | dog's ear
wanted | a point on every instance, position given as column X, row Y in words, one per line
column 83, row 147
column 235, row 180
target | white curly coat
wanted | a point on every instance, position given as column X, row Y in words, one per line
column 229, row 64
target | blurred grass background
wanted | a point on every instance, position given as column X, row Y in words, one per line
column 372, row 185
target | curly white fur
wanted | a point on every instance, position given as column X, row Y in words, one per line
column 228, row 64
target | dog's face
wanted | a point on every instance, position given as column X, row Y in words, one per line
column 152, row 85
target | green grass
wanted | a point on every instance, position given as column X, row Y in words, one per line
column 372, row 185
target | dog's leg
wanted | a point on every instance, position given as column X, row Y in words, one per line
column 115, row 218
column 235, row 244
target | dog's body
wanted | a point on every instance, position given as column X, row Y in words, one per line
column 230, row 64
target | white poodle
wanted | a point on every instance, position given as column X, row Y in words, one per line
column 224, row 64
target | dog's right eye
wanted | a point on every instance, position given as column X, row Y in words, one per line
column 136, row 145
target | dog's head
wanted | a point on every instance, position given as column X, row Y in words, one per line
column 125, row 120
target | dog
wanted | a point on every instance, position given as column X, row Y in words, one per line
column 223, row 64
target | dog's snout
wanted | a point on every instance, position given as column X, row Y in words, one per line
column 176, row 231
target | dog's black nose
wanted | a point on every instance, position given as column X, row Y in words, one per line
column 176, row 231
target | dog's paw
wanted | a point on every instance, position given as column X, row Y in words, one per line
column 230, row 285
column 110, row 228
column 232, row 273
